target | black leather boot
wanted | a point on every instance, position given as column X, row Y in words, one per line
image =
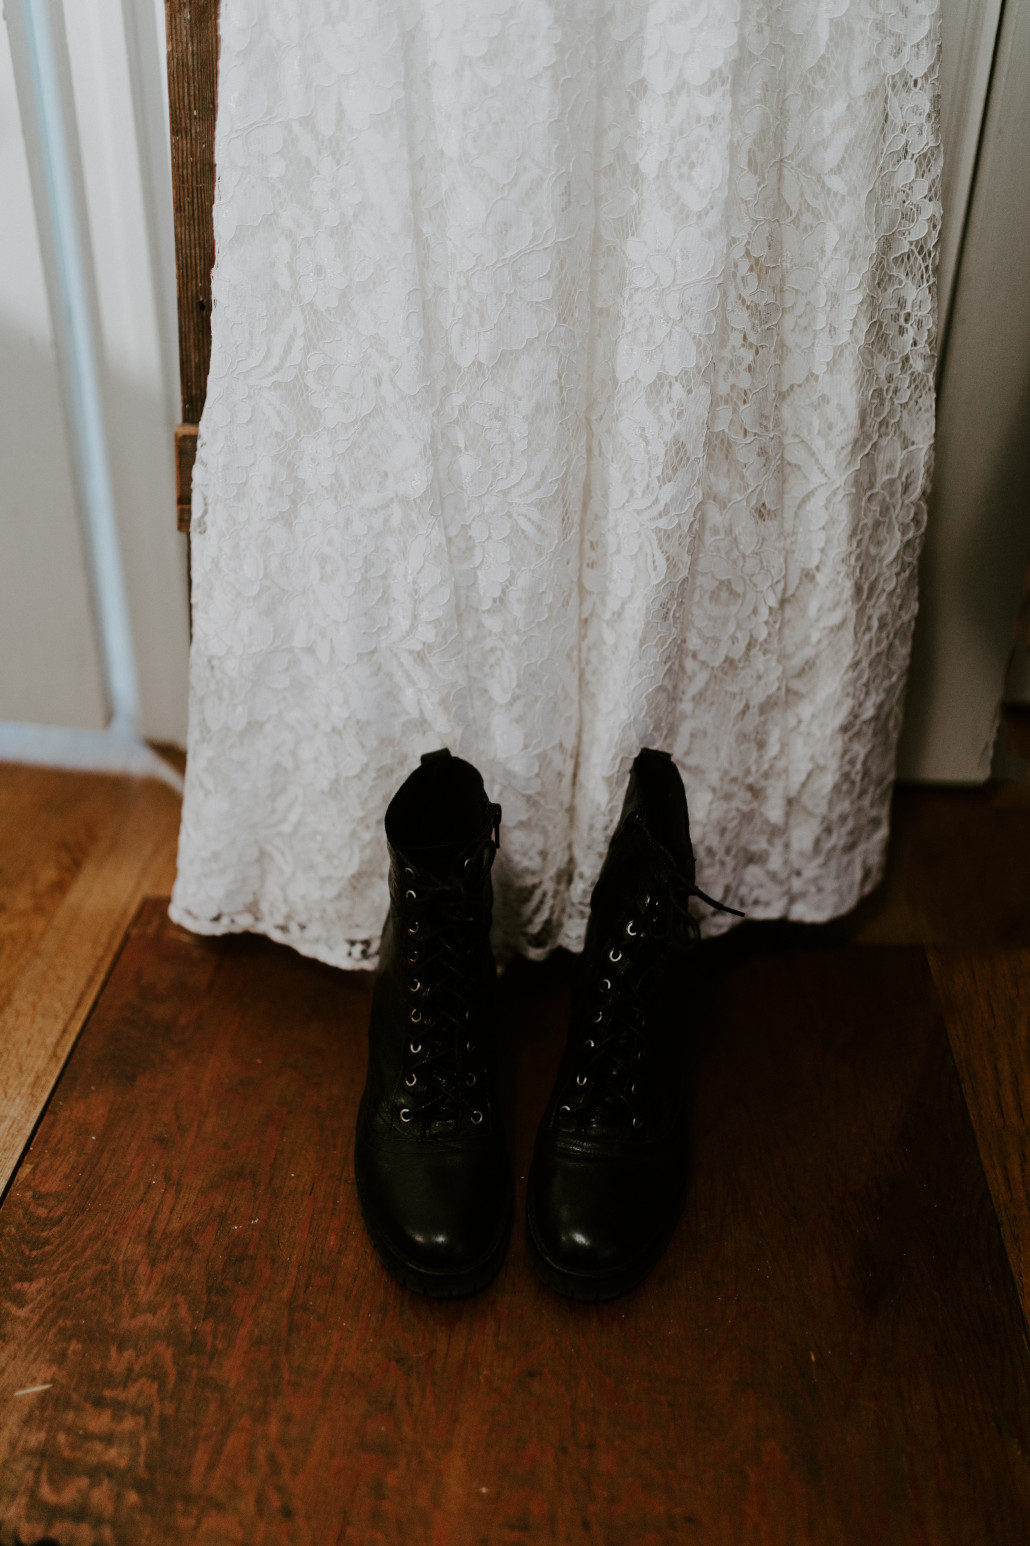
column 610, row 1164
column 429, row 1159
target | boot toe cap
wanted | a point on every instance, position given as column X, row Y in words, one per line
column 433, row 1215
column 452, row 1242
column 599, row 1221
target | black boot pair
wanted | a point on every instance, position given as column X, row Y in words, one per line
column 609, row 1166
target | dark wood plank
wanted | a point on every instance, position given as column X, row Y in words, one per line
column 192, row 92
column 831, row 1354
column 956, row 873
column 985, row 995
column 1017, row 715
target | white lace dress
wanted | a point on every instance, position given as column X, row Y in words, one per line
column 571, row 391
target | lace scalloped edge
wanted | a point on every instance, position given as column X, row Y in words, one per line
column 363, row 954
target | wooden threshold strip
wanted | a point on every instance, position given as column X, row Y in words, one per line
column 44, row 1008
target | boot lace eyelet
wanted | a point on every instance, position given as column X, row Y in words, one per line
column 631, row 929
column 470, row 1081
column 589, row 1041
column 411, row 1081
column 412, row 958
column 416, row 1016
column 599, row 1017
column 416, row 985
column 415, row 1047
column 405, row 1114
column 413, row 927
column 410, row 896
column 581, row 1080
column 606, row 985
column 477, row 1117
column 409, row 872
column 564, row 1110
column 615, row 955
column 638, row 1122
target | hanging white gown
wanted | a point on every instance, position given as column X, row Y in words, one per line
column 571, row 391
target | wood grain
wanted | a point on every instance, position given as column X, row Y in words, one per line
column 80, row 852
column 956, row 872
column 49, row 823
column 192, row 92
column 831, row 1354
column 185, row 456
column 985, row 995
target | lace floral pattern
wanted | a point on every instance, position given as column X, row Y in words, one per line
column 571, row 391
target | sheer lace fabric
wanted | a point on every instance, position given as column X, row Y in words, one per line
column 571, row 391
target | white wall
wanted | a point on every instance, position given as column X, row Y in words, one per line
column 49, row 664
column 113, row 106
column 54, row 651
column 978, row 535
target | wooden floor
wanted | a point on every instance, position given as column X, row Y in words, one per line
column 197, row 1344
column 78, row 852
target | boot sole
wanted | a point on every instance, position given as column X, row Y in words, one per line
column 439, row 1285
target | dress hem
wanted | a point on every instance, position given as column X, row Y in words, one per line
column 363, row 954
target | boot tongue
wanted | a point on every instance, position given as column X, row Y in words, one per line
column 440, row 858
column 636, row 863
column 440, row 815
column 453, row 857
column 655, row 795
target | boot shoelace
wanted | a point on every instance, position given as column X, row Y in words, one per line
column 445, row 931
column 612, row 1052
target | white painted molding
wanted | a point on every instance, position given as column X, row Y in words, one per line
column 92, row 100
column 50, row 667
column 39, row 51
column 87, row 751
column 117, row 69
column 144, row 26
